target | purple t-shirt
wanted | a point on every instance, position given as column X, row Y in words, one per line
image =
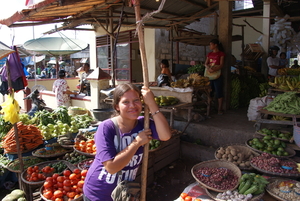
column 99, row 183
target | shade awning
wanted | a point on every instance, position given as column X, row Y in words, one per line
column 55, row 46
column 4, row 50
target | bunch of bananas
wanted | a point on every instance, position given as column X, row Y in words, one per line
column 235, row 91
column 194, row 80
column 248, row 68
column 166, row 100
column 11, row 109
column 263, row 88
column 280, row 118
column 286, row 83
column 288, row 71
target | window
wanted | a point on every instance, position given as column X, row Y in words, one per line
column 241, row 5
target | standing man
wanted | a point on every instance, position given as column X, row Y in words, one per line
column 273, row 61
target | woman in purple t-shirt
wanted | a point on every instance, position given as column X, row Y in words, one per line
column 102, row 176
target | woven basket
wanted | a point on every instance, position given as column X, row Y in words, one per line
column 40, row 165
column 74, row 112
column 217, row 164
column 81, row 164
column 291, row 152
column 244, row 149
column 273, row 183
column 213, row 195
column 10, row 166
column 275, row 173
column 84, row 153
column 63, row 152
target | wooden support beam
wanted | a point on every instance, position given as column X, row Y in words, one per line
column 225, row 37
column 266, row 36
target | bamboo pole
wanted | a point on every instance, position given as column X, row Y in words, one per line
column 21, row 186
column 140, row 32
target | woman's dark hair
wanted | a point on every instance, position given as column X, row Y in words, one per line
column 282, row 53
column 217, row 42
column 121, row 90
column 61, row 73
column 165, row 62
column 273, row 48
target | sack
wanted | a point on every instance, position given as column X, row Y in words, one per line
column 163, row 80
column 212, row 76
column 296, row 132
column 255, row 105
column 126, row 191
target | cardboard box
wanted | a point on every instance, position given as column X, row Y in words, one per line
column 184, row 97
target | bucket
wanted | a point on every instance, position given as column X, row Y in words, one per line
column 102, row 114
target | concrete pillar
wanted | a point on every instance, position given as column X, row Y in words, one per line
column 225, row 37
column 96, row 96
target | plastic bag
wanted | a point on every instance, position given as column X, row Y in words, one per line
column 255, row 105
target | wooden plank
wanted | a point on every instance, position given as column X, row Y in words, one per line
column 264, row 111
column 164, row 163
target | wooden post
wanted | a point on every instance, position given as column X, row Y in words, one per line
column 140, row 32
column 21, row 186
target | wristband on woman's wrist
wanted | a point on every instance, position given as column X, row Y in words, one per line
column 158, row 111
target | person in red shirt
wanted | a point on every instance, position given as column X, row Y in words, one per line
column 214, row 63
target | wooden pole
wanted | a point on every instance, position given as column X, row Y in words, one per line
column 140, row 32
column 21, row 186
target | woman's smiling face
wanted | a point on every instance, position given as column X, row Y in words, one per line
column 130, row 105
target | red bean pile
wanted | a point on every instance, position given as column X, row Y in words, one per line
column 218, row 178
column 267, row 162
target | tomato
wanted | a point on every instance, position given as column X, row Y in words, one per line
column 188, row 198
column 74, row 182
column 55, row 175
column 73, row 176
column 67, row 182
column 48, row 194
column 36, row 167
column 76, row 171
column 59, row 184
column 80, row 184
column 58, row 194
column 83, row 173
column 60, row 179
column 41, row 176
column 197, row 199
column 35, row 179
column 67, row 188
column 183, row 195
column 49, row 179
column 48, row 184
column 59, row 199
column 71, row 194
column 79, row 190
column 66, row 173
column 76, row 196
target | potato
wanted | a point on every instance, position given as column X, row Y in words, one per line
column 224, row 156
column 235, row 158
column 219, row 156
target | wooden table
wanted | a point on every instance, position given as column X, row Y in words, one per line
column 205, row 91
column 264, row 114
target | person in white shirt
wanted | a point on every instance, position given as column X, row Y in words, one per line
column 273, row 61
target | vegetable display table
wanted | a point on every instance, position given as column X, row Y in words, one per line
column 264, row 114
column 202, row 95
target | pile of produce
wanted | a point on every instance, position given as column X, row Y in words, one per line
column 58, row 122
column 272, row 164
column 3, row 163
column 287, row 103
column 86, row 164
column 198, row 68
column 263, row 88
column 166, row 100
column 17, row 195
column 284, row 135
column 252, row 184
column 5, row 126
column 288, row 71
column 66, row 139
column 84, row 142
column 194, row 80
column 29, row 137
column 65, row 186
column 154, row 144
column 74, row 157
column 50, row 150
column 186, row 197
column 238, row 155
column 269, row 145
column 286, row 83
column 27, row 161
column 287, row 190
column 233, row 195
column 218, row 178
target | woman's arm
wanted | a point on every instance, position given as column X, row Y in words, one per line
column 123, row 157
column 161, row 124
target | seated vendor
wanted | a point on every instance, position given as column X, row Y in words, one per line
column 84, row 83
